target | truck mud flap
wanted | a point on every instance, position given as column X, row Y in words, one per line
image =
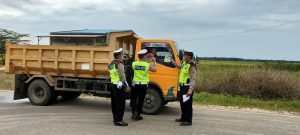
column 20, row 86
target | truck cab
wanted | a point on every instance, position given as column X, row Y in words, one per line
column 163, row 84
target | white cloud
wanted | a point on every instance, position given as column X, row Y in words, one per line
column 9, row 14
column 176, row 19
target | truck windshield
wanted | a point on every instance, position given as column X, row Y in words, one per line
column 161, row 51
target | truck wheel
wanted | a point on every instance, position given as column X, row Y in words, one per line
column 69, row 95
column 153, row 101
column 40, row 93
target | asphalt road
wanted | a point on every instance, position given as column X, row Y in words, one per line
column 91, row 115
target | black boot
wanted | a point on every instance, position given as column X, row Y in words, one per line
column 178, row 120
column 121, row 123
column 134, row 116
column 185, row 123
column 138, row 118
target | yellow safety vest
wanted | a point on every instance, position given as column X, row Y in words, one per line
column 141, row 71
column 113, row 73
column 184, row 75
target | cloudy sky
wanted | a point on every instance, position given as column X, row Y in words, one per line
column 256, row 29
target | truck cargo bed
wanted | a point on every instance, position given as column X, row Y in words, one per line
column 66, row 60
column 79, row 61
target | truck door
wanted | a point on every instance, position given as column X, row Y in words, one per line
column 166, row 75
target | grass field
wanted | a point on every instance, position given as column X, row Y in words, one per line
column 228, row 76
column 210, row 68
column 212, row 71
column 7, row 81
column 204, row 98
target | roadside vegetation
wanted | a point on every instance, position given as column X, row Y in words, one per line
column 14, row 37
column 266, row 85
column 205, row 98
column 7, row 81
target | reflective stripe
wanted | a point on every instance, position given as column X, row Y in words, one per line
column 182, row 84
column 143, row 83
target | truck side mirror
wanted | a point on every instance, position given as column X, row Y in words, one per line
column 181, row 54
column 196, row 59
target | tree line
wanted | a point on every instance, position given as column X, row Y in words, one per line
column 13, row 36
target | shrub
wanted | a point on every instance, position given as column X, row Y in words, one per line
column 281, row 66
column 256, row 83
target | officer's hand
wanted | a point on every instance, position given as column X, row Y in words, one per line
column 127, row 89
column 153, row 59
column 120, row 84
column 189, row 93
column 173, row 62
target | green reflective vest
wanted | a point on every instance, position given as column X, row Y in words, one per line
column 184, row 75
column 141, row 71
column 113, row 73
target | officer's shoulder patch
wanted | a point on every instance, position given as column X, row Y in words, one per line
column 111, row 66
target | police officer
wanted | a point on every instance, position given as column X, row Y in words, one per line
column 140, row 83
column 187, row 81
column 118, row 84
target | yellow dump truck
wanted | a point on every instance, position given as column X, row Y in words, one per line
column 78, row 63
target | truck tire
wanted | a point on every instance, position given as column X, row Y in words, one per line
column 153, row 101
column 40, row 93
column 69, row 95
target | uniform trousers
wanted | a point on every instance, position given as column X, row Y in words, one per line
column 118, row 97
column 187, row 106
column 137, row 97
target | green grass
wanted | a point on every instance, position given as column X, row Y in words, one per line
column 7, row 81
column 1, row 60
column 205, row 98
column 297, row 74
column 211, row 69
column 229, row 63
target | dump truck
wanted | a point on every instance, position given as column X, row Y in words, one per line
column 44, row 72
